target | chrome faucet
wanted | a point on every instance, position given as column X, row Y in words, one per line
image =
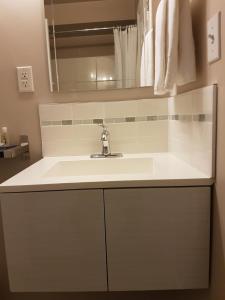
column 105, row 139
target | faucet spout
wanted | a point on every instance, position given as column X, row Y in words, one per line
column 106, row 151
column 105, row 141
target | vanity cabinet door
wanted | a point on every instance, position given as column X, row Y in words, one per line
column 158, row 238
column 55, row 241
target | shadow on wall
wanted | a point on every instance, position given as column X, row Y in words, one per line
column 217, row 252
column 199, row 31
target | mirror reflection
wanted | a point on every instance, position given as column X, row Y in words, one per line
column 99, row 44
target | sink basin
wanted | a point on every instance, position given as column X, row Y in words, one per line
column 101, row 167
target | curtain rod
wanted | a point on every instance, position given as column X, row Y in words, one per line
column 96, row 29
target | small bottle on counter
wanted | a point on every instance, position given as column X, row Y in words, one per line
column 4, row 136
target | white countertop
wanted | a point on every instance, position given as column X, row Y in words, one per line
column 167, row 171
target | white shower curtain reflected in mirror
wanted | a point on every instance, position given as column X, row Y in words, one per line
column 125, row 56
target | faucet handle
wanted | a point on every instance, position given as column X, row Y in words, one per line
column 105, row 129
column 102, row 125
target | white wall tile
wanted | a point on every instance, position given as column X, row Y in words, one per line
column 180, row 104
column 127, row 145
column 57, row 147
column 121, row 109
column 152, row 145
column 123, row 131
column 87, row 111
column 86, row 132
column 154, row 129
column 192, row 141
column 202, row 100
column 52, row 133
column 55, row 112
column 151, row 107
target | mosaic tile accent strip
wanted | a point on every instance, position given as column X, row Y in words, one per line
column 82, row 122
column 203, row 118
column 67, row 122
column 185, row 118
column 51, row 123
column 190, row 118
column 98, row 121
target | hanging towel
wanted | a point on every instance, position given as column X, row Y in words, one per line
column 147, row 61
column 160, row 48
column 187, row 60
column 172, row 44
column 147, row 56
column 175, row 62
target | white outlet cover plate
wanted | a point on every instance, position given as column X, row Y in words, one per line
column 214, row 38
column 25, row 79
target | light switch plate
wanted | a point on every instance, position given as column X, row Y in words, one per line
column 25, row 79
column 214, row 38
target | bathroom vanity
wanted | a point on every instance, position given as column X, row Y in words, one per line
column 138, row 222
column 144, row 229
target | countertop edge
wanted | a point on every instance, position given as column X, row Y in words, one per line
column 108, row 185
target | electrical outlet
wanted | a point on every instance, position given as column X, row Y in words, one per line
column 25, row 79
column 24, row 75
column 24, row 84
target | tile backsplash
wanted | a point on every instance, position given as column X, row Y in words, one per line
column 134, row 126
column 182, row 125
column 191, row 136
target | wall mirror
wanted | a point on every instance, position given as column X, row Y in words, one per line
column 96, row 44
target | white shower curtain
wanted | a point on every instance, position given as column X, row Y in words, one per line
column 125, row 56
column 145, row 59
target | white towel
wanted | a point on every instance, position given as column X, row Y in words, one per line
column 147, row 56
column 187, row 60
column 160, row 48
column 172, row 44
column 174, row 50
column 145, row 76
column 147, row 61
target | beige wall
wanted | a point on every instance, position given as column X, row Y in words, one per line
column 215, row 73
column 22, row 30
